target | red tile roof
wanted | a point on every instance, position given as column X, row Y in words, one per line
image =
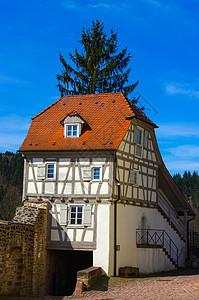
column 108, row 117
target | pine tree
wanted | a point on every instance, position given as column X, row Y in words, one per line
column 99, row 68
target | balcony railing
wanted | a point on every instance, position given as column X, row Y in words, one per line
column 156, row 237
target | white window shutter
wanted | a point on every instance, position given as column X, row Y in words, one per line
column 135, row 134
column 145, row 138
column 63, row 214
column 41, row 171
column 87, row 215
column 86, row 173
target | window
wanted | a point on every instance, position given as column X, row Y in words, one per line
column 138, row 140
column 72, row 130
column 139, row 137
column 96, row 173
column 76, row 215
column 46, row 171
column 133, row 178
column 50, row 171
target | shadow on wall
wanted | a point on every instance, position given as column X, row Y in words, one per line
column 101, row 284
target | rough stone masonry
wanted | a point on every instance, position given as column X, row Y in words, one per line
column 23, row 257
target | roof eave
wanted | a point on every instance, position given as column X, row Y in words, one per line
column 64, row 150
column 140, row 118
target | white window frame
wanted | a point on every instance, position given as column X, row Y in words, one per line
column 66, row 130
column 139, row 145
column 54, row 174
column 92, row 173
column 142, row 136
column 70, row 211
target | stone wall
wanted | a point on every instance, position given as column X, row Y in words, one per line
column 23, row 251
column 86, row 278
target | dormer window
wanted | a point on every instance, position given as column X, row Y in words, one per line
column 73, row 124
column 72, row 130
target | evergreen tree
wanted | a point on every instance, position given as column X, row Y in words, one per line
column 11, row 181
column 99, row 68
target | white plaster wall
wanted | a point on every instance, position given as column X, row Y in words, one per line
column 65, row 161
column 70, row 233
column 31, row 188
column 101, row 254
column 49, row 187
column 37, row 160
column 63, row 165
column 153, row 260
column 129, row 219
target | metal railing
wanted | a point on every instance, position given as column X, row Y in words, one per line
column 156, row 237
column 169, row 211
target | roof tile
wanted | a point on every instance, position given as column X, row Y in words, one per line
column 108, row 116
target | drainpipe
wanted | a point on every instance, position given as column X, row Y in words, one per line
column 188, row 234
column 115, row 216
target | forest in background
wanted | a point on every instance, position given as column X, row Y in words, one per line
column 189, row 186
column 11, row 184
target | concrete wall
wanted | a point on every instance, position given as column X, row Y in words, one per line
column 101, row 256
column 129, row 219
column 153, row 260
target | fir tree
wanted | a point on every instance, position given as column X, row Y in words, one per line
column 99, row 68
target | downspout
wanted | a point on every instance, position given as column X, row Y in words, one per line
column 188, row 234
column 117, row 183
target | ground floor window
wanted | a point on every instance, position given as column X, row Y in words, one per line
column 76, row 214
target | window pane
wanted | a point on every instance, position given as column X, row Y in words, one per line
column 73, row 215
column 139, row 137
column 76, row 215
column 135, row 178
column 79, row 215
column 73, row 208
column 80, row 208
column 79, row 221
column 50, row 171
column 96, row 174
column 75, row 130
column 69, row 130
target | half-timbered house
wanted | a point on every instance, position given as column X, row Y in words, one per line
column 112, row 202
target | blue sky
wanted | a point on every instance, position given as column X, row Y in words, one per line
column 162, row 37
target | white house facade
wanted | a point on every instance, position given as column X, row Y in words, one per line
column 95, row 160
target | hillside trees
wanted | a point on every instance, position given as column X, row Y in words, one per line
column 11, row 181
column 100, row 68
column 189, row 186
